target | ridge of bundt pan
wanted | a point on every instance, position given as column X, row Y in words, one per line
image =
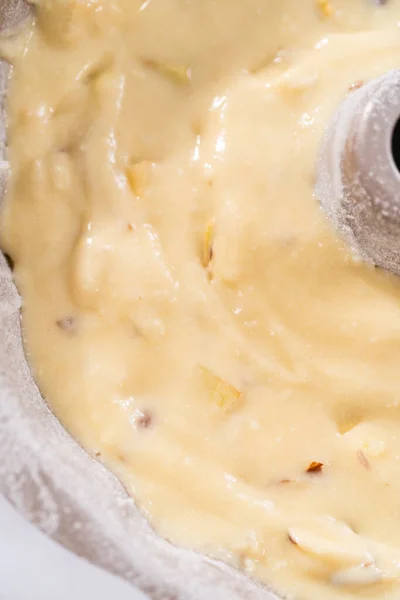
column 50, row 480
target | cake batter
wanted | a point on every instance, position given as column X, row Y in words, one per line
column 189, row 314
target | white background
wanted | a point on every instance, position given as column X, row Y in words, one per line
column 32, row 567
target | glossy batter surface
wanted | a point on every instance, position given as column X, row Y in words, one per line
column 188, row 312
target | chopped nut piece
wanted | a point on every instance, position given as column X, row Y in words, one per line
column 315, row 467
column 208, row 245
column 139, row 176
column 67, row 324
column 325, row 8
column 142, row 419
column 222, row 394
column 356, row 85
column 363, row 460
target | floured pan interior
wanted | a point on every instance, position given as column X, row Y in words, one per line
column 57, row 486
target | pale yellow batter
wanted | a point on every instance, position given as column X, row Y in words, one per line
column 188, row 312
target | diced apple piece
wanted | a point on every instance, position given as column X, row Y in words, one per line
column 139, row 176
column 221, row 393
column 179, row 73
column 208, row 245
column 325, row 8
column 176, row 73
column 64, row 21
